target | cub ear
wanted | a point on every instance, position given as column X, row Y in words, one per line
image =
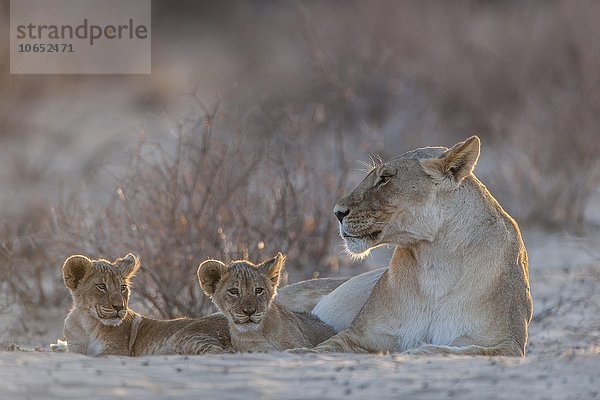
column 209, row 275
column 128, row 265
column 74, row 270
column 456, row 163
column 272, row 268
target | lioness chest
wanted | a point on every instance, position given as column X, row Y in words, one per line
column 436, row 305
column 440, row 322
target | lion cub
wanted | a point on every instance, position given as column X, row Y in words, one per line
column 101, row 323
column 245, row 293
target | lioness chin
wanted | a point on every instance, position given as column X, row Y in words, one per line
column 458, row 282
column 101, row 323
column 245, row 293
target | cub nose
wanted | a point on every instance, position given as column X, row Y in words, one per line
column 340, row 213
column 119, row 307
column 249, row 311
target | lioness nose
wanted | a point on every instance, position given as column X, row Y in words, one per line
column 119, row 307
column 340, row 213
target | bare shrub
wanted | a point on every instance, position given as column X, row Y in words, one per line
column 521, row 75
column 219, row 189
column 525, row 78
column 24, row 264
column 328, row 84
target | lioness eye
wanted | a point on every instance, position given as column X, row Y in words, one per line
column 383, row 179
column 101, row 287
column 259, row 290
column 233, row 291
column 123, row 288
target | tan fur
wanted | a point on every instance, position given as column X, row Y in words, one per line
column 245, row 293
column 95, row 327
column 458, row 282
column 303, row 296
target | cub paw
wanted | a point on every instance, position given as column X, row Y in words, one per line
column 61, row 346
column 213, row 349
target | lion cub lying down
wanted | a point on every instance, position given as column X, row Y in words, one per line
column 245, row 293
column 101, row 323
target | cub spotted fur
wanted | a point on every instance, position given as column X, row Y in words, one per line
column 245, row 293
column 101, row 323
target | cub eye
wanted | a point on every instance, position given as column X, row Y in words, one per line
column 234, row 291
column 123, row 288
column 101, row 287
column 259, row 290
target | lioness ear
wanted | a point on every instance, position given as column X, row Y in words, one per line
column 272, row 268
column 128, row 265
column 456, row 163
column 209, row 274
column 74, row 270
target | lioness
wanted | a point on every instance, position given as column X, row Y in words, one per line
column 245, row 293
column 101, row 323
column 458, row 281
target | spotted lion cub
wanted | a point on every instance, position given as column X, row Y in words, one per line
column 245, row 293
column 101, row 323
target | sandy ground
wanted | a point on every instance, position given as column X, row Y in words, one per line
column 283, row 376
column 563, row 360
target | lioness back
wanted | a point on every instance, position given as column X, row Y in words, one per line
column 245, row 293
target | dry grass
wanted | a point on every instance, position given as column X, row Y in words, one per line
column 218, row 190
column 328, row 84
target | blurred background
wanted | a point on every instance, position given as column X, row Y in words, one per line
column 252, row 124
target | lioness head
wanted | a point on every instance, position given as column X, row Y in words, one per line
column 402, row 201
column 101, row 287
column 242, row 291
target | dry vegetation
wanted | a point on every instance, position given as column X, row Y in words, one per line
column 220, row 190
column 257, row 168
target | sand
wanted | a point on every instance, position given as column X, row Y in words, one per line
column 285, row 376
column 563, row 359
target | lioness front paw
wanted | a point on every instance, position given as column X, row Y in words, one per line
column 328, row 348
column 427, row 349
column 417, row 351
column 300, row 350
